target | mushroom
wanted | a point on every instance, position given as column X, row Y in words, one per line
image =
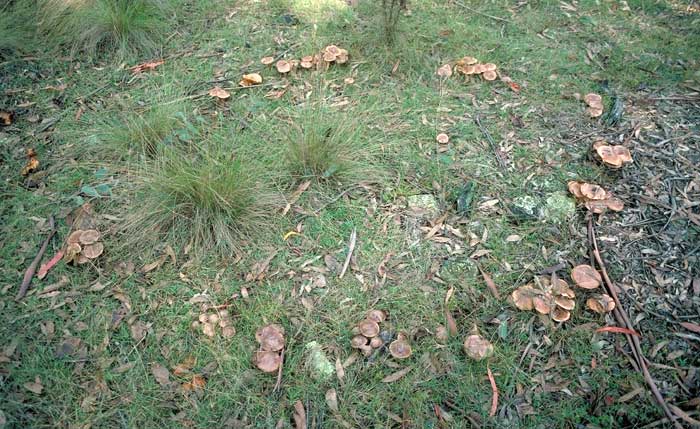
column 307, row 62
column 565, row 303
column 203, row 318
column 369, row 328
column 601, row 303
column 92, row 251
column 523, row 297
column 89, row 236
column 593, row 99
column 586, row 277
column 477, row 347
column 376, row 315
column 490, row 67
column 468, row 61
column 560, row 315
column 267, row 361
column 267, row 60
column 400, row 349
column 615, row 204
column 283, row 66
column 220, row 94
column 376, row 342
column 328, row 57
column 72, row 252
column 441, row 335
column 213, row 318
column 270, row 337
column 208, row 329
column 251, row 79
column 623, row 153
column 489, row 75
column 575, row 189
column 358, row 341
column 541, row 304
column 468, row 70
column 228, row 331
column 593, row 192
column 442, row 138
column 445, row 71
column 342, row 57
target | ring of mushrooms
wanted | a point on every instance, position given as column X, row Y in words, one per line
column 555, row 300
column 594, row 198
column 271, row 339
column 82, row 246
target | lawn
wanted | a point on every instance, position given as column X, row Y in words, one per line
column 317, row 195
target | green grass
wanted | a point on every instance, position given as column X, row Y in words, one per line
column 208, row 175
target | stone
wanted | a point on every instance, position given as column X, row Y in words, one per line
column 558, row 208
column 526, row 207
column 423, row 206
column 318, row 364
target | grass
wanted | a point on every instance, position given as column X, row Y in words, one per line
column 207, row 175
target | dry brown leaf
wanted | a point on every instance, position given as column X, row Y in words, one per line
column 161, row 374
column 397, row 375
column 490, row 283
column 146, row 66
column 299, row 415
column 691, row 326
column 31, row 165
column 34, row 386
column 332, row 400
column 195, row 384
column 184, row 367
column 6, row 117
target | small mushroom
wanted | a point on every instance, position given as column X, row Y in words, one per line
column 267, row 361
column 542, row 305
column 575, row 189
column 615, row 204
column 623, row 153
column 332, row 49
column 601, row 303
column 228, row 331
column 92, row 251
column 565, row 303
column 74, row 236
column 270, row 337
column 203, row 318
column 307, row 62
column 489, row 75
column 442, row 138
column 329, row 57
column 376, row 342
column 594, row 112
column 358, row 341
column 283, row 66
column 208, row 329
column 213, row 318
column 560, row 315
column 342, row 57
column 219, row 93
column 490, row 67
column 400, row 349
column 469, row 61
column 72, row 252
column 586, row 277
column 445, row 71
column 369, row 328
column 478, row 347
column 593, row 192
column 523, row 297
column 608, row 156
column 593, row 99
column 251, row 79
column 376, row 315
column 441, row 335
column 89, row 236
column 267, row 60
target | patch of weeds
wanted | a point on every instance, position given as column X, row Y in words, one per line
column 330, row 147
column 127, row 27
column 207, row 198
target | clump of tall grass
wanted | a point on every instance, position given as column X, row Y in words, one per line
column 124, row 27
column 16, row 29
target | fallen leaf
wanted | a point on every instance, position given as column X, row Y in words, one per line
column 6, row 118
column 31, row 165
column 295, row 196
column 44, row 269
column 146, row 66
column 161, row 374
column 494, row 390
column 139, row 330
column 397, row 375
column 299, row 415
column 691, row 327
column 34, row 386
column 332, row 400
column 490, row 283
column 618, row 330
column 184, row 367
column 339, row 370
column 197, row 383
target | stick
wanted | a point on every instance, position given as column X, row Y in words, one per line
column 458, row 3
column 494, row 389
column 279, row 372
column 29, row 274
column 351, row 247
column 621, row 315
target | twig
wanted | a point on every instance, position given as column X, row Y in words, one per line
column 351, row 248
column 458, row 3
column 494, row 389
column 623, row 319
column 491, row 142
column 29, row 274
column 279, row 372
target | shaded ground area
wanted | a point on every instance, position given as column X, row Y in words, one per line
column 111, row 343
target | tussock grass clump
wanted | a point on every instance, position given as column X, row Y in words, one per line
column 126, row 27
column 16, row 29
column 331, row 147
column 209, row 199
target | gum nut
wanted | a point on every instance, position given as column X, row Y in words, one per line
column 400, row 349
column 376, row 315
column 208, row 329
column 89, row 236
column 228, row 331
column 267, row 361
column 369, row 328
column 203, row 318
column 213, row 318
column 358, row 341
column 376, row 342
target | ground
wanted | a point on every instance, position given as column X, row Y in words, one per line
column 110, row 343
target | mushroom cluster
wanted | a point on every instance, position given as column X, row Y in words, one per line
column 595, row 198
column 555, row 300
column 614, row 156
column 594, row 103
column 470, row 66
column 329, row 55
column 271, row 339
column 586, row 277
column 82, row 246
column 209, row 321
column 333, row 54
column 366, row 335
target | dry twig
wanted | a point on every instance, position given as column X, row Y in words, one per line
column 29, row 274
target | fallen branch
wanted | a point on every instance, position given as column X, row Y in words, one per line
column 623, row 319
column 29, row 274
column 351, row 248
column 279, row 372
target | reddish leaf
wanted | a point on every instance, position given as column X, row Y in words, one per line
column 44, row 269
column 691, row 327
column 494, row 389
column 618, row 330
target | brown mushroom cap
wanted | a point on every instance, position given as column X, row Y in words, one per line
column 220, row 93
column 332, row 49
column 306, row 64
column 477, row 347
column 565, row 303
column 593, row 99
column 208, row 329
column 92, row 251
column 267, row 361
column 283, row 66
column 204, row 318
column 586, row 277
column 358, row 341
column 593, row 192
column 542, row 305
column 575, row 189
column 490, row 67
column 623, row 153
column 72, row 252
column 267, row 60
column 74, row 236
column 441, row 334
column 213, row 318
column 597, row 206
column 307, row 59
column 369, row 328
column 608, row 156
column 400, row 349
column 594, row 112
column 490, row 75
column 442, row 138
column 270, row 337
column 523, row 297
column 615, row 204
column 376, row 342
column 560, row 315
column 376, row 315
column 444, row 71
column 228, row 331
column 89, row 236
column 601, row 303
column 329, row 57
column 469, row 60
column 251, row 79
column 343, row 57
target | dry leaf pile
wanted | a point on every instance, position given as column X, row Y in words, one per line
column 594, row 198
column 268, row 358
column 32, row 163
column 613, row 156
column 594, row 103
column 555, row 300
column 469, row 66
column 82, row 246
column 586, row 277
column 208, row 322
